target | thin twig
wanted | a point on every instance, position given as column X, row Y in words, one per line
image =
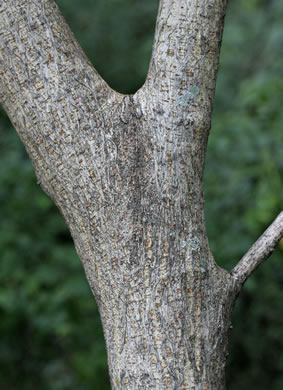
column 259, row 252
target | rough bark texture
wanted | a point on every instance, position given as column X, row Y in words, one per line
column 126, row 173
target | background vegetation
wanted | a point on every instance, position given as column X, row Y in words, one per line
column 50, row 334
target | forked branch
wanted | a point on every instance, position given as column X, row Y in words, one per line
column 259, row 252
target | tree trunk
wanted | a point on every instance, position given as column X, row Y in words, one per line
column 126, row 173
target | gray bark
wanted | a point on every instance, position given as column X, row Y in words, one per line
column 126, row 173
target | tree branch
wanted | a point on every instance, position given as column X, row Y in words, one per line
column 259, row 252
column 182, row 74
column 49, row 88
column 186, row 43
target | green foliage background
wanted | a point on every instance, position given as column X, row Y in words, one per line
column 50, row 333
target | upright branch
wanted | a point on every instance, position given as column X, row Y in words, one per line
column 184, row 65
column 259, row 252
column 48, row 87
